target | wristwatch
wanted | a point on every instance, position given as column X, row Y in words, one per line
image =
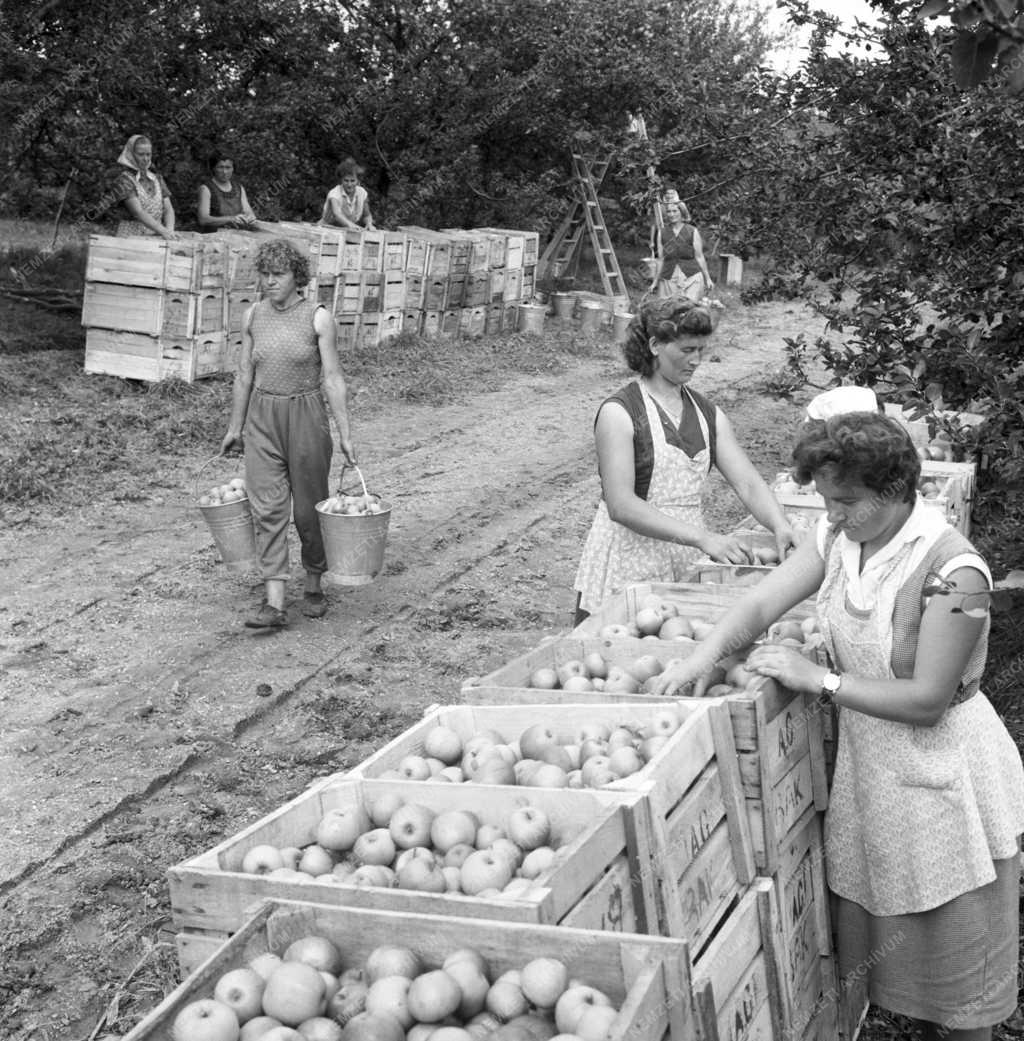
column 830, row 684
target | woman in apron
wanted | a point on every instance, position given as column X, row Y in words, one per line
column 927, row 801
column 142, row 192
column 683, row 270
column 657, row 440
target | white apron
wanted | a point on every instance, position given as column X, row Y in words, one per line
column 916, row 814
column 615, row 556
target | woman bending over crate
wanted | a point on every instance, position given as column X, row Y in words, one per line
column 657, row 440
column 222, row 201
column 287, row 365
column 347, row 204
column 927, row 802
column 142, row 193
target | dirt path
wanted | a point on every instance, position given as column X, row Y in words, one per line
column 141, row 722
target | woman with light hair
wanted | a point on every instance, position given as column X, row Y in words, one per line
column 682, row 269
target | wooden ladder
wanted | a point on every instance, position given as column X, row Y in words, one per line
column 585, row 213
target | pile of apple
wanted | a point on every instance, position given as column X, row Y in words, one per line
column 929, row 487
column 306, row 994
column 233, row 491
column 403, row 845
column 937, row 451
column 352, row 505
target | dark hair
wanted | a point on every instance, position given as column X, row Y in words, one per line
column 860, row 448
column 348, row 167
column 218, row 157
column 280, row 253
column 664, row 321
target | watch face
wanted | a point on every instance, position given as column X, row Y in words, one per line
column 831, row 682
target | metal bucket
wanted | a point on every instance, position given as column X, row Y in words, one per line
column 564, row 304
column 531, row 318
column 354, row 543
column 620, row 325
column 231, row 526
column 591, row 317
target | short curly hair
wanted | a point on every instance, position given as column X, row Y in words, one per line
column 863, row 448
column 663, row 321
column 283, row 255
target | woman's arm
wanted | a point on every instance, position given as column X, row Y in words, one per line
column 698, row 255
column 367, row 216
column 616, row 464
column 944, row 646
column 247, row 211
column 338, row 215
column 795, row 579
column 203, row 210
column 134, row 207
column 168, row 213
column 241, row 391
column 736, row 467
column 334, row 381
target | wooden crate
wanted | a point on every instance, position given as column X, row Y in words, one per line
column 328, row 247
column 416, row 251
column 154, row 358
column 432, row 324
column 154, row 312
column 646, row 977
column 736, row 980
column 918, row 429
column 492, row 319
column 596, row 883
column 521, row 247
column 700, row 854
column 390, row 324
column 351, row 259
column 412, row 321
column 238, row 302
column 472, row 321
column 368, row 333
column 240, row 248
column 693, row 600
column 529, row 281
column 477, row 289
column 372, row 253
column 450, row 318
column 496, row 285
column 455, row 292
column 348, row 296
column 513, row 285
column 461, row 248
column 509, row 317
column 393, row 292
column 414, row 291
column 348, row 330
column 372, row 290
column 435, row 292
column 394, row 251
column 191, row 263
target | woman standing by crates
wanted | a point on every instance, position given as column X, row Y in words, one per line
column 927, row 801
column 142, row 192
column 288, row 364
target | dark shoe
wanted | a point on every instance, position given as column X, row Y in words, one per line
column 314, row 605
column 267, row 617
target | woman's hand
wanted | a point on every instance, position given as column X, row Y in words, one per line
column 347, row 450
column 680, row 675
column 169, row 236
column 786, row 666
column 725, row 549
column 233, row 442
column 785, row 540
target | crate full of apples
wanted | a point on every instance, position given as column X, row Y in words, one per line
column 304, row 971
column 536, row 855
column 762, row 555
column 679, row 754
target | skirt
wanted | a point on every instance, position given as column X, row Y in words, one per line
column 955, row 965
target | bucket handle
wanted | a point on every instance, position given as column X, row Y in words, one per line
column 359, row 474
column 199, row 473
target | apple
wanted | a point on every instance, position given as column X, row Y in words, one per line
column 544, row 678
column 424, row 875
column 535, row 738
column 317, row 951
column 347, row 1001
column 391, row 960
column 592, row 746
column 319, row 1028
column 470, row 954
column 494, row 770
column 596, row 1022
column 544, row 981
column 485, row 869
column 453, row 774
column 593, row 732
column 615, row 631
column 414, row 768
column 433, row 996
column 625, row 761
column 574, row 667
column 443, row 743
column 578, row 684
column 370, row 1026
column 528, row 827
column 374, row 847
column 646, row 666
column 619, row 681
column 595, row 664
column 549, row 775
column 381, row 810
column 574, row 779
column 473, row 984
column 265, row 963
column 259, row 1027
column 739, row 676
column 573, row 754
column 506, row 1000
column 414, row 853
column 591, row 766
column 557, row 755
column 483, row 1025
column 537, row 861
column 507, row 752
column 339, row 828
column 456, row 855
column 509, row 850
column 701, row 629
column 389, row 995
column 294, row 992
column 487, row 834
column 524, row 770
column 242, row 991
column 261, row 860
column 676, row 628
column 450, row 1034
column 576, row 1000
column 410, row 825
column 765, row 555
column 452, row 878
column 315, row 860
column 621, row 737
column 651, row 746
column 205, row 1020
column 452, row 828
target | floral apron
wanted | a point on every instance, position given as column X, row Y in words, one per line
column 910, row 819
column 614, row 555
column 152, row 202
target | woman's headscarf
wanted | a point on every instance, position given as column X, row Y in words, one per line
column 127, row 158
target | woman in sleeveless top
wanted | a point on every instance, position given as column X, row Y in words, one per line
column 679, row 247
column 927, row 803
column 657, row 440
column 287, row 365
column 143, row 194
column 222, row 200
column 347, row 204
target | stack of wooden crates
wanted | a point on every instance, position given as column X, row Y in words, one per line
column 156, row 310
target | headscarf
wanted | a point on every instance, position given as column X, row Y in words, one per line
column 840, row 400
column 127, row 158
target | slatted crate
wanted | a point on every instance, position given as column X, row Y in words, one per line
column 412, row 321
column 431, row 323
column 701, row 858
column 496, row 285
column 348, row 295
column 450, row 318
column 154, row 358
column 472, row 321
column 736, row 981
column 521, row 247
column 777, row 732
column 393, row 291
column 509, row 317
column 435, row 292
column 372, row 253
column 155, row 312
column 240, row 249
column 416, row 253
column 238, row 302
column 394, row 251
column 368, row 331
column 190, row 264
column 414, row 292
column 477, row 289
column 372, row 289
column 351, row 252
column 513, row 284
column 390, row 324
column 647, row 978
column 348, row 331
column 456, row 291
column 596, row 881
column 492, row 320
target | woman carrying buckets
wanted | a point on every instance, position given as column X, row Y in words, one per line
column 287, row 365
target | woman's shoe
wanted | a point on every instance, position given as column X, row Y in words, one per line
column 267, row 617
column 314, row 605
